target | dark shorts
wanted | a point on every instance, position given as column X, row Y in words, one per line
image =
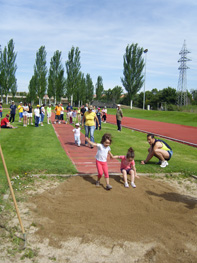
column 4, row 126
column 57, row 117
column 170, row 155
column 128, row 170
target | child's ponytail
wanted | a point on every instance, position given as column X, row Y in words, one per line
column 130, row 153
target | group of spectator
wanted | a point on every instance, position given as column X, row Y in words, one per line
column 27, row 114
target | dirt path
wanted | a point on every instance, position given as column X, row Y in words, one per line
column 75, row 221
column 180, row 133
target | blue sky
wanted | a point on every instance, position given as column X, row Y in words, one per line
column 102, row 29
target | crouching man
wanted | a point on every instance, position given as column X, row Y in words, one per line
column 159, row 149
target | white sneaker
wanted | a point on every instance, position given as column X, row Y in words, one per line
column 126, row 185
column 164, row 164
column 133, row 185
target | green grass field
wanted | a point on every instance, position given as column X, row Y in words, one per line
column 30, row 150
column 183, row 118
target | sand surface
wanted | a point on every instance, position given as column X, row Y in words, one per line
column 75, row 221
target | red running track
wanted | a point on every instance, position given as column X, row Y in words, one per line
column 82, row 157
column 175, row 132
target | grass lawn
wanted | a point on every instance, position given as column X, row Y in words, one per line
column 177, row 117
column 32, row 150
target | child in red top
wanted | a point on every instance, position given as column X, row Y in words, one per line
column 127, row 166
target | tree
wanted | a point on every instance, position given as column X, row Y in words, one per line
column 194, row 96
column 168, row 95
column 99, row 88
column 56, row 80
column 8, row 69
column 133, row 64
column 116, row 94
column 40, row 73
column 72, row 69
column 89, row 88
column 32, row 89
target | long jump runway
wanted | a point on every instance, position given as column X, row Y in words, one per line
column 175, row 132
column 82, row 157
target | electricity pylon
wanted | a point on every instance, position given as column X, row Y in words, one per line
column 182, row 83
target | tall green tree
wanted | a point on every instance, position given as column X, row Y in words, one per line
column 73, row 66
column 99, row 88
column 89, row 89
column 40, row 72
column 133, row 65
column 32, row 89
column 8, row 69
column 56, row 80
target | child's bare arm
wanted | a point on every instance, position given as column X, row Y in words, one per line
column 135, row 173
column 111, row 155
column 115, row 157
column 91, row 143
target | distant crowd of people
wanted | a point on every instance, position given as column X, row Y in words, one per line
column 35, row 116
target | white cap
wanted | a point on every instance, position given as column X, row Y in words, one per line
column 118, row 105
column 77, row 124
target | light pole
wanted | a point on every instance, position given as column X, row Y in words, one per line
column 145, row 52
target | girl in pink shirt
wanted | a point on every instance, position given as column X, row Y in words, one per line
column 127, row 166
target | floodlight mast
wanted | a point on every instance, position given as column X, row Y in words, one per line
column 182, row 82
column 144, row 97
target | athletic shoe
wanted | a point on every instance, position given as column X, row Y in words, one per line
column 164, row 164
column 126, row 185
column 133, row 185
column 108, row 187
column 159, row 162
column 97, row 183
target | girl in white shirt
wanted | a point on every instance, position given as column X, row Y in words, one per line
column 103, row 149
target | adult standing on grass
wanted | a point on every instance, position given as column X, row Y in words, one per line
column 12, row 112
column 99, row 116
column 89, row 120
column 119, row 116
column 42, row 114
column 20, row 110
column 29, row 115
column 159, row 149
column 49, row 114
column 25, row 112
column 5, row 122
column 37, row 115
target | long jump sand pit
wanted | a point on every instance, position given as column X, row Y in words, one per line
column 79, row 222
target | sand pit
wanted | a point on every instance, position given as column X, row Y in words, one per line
column 79, row 222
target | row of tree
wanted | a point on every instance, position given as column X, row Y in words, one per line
column 75, row 85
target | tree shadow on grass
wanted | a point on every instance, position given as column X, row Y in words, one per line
column 175, row 197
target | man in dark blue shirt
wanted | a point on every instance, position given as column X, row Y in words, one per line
column 12, row 112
